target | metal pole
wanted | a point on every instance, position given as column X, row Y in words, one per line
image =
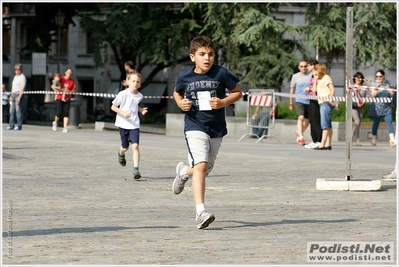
column 349, row 64
column 317, row 45
column 58, row 48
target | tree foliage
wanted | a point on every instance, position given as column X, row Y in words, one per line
column 374, row 31
column 149, row 34
column 257, row 47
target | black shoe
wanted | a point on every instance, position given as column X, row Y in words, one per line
column 122, row 160
column 329, row 148
column 322, row 148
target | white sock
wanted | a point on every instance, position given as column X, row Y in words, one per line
column 199, row 208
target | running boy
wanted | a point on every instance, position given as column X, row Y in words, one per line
column 126, row 105
column 201, row 93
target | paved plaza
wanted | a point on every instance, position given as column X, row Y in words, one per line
column 67, row 201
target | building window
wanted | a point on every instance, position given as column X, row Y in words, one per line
column 89, row 44
column 6, row 43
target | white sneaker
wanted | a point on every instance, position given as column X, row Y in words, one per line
column 180, row 179
column 314, row 145
column 65, row 130
column 310, row 145
column 389, row 177
column 54, row 126
column 204, row 219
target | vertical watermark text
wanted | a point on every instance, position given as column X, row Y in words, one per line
column 9, row 221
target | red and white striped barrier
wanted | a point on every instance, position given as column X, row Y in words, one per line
column 261, row 100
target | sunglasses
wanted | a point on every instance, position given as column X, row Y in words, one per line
column 17, row 69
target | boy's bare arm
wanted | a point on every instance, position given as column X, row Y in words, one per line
column 56, row 88
column 143, row 111
column 235, row 95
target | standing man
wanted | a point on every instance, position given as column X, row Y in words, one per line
column 17, row 91
column 68, row 86
column 299, row 82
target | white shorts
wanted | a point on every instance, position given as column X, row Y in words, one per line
column 202, row 148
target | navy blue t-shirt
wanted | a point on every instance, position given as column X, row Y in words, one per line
column 216, row 81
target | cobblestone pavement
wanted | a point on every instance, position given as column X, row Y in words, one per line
column 67, row 201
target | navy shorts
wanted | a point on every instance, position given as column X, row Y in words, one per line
column 128, row 135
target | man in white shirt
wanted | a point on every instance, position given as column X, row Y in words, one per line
column 18, row 88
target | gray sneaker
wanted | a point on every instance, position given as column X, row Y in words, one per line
column 180, row 180
column 389, row 177
column 136, row 175
column 204, row 219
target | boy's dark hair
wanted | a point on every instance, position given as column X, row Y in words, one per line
column 201, row 41
column 313, row 62
column 130, row 64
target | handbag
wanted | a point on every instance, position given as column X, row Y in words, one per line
column 372, row 112
column 382, row 109
column 378, row 109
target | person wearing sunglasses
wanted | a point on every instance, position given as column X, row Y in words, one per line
column 358, row 106
column 300, row 81
column 17, row 92
column 380, row 110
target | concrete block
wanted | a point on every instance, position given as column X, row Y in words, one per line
column 364, row 185
column 99, row 125
column 332, row 184
column 344, row 185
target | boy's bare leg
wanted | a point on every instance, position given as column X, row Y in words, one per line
column 200, row 171
column 136, row 155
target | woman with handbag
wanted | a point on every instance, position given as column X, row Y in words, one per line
column 380, row 110
column 358, row 105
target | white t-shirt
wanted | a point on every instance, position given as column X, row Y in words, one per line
column 18, row 83
column 129, row 102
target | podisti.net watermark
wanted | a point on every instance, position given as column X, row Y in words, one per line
column 377, row 252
